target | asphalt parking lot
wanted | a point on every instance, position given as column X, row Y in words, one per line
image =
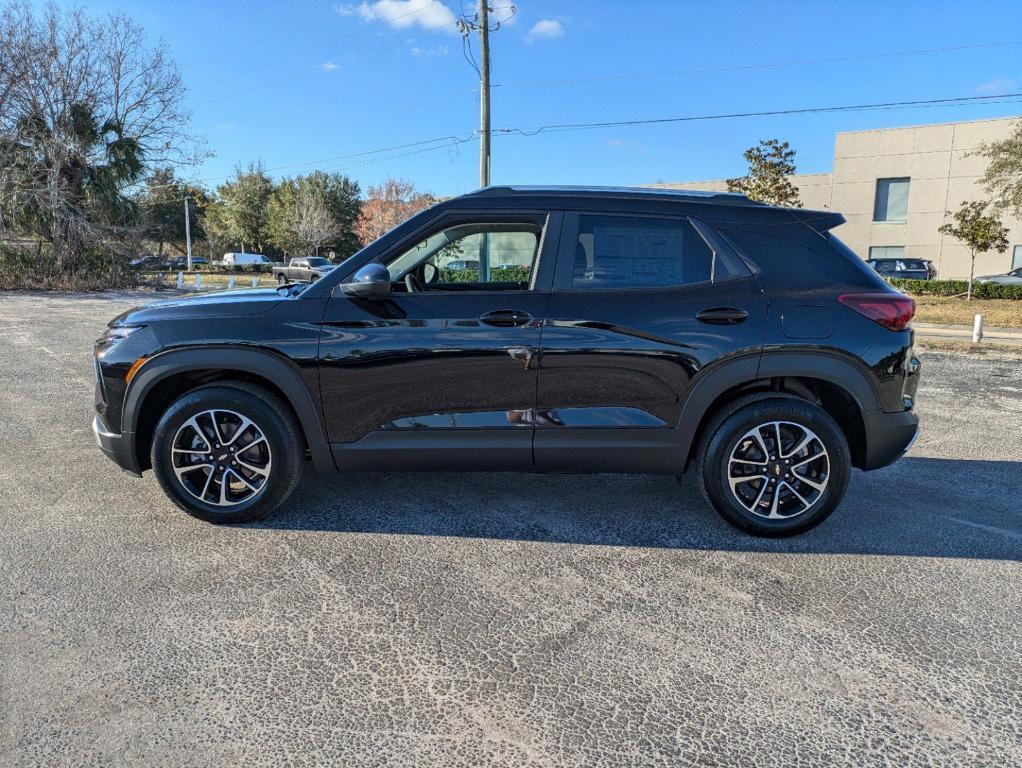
column 463, row 620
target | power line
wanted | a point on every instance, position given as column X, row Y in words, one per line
column 560, row 127
column 768, row 65
column 454, row 140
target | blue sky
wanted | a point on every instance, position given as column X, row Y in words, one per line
column 295, row 84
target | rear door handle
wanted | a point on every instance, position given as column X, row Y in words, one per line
column 505, row 318
column 723, row 316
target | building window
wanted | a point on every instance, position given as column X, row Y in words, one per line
column 891, row 200
column 1016, row 257
column 886, row 252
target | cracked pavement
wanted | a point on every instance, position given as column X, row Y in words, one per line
column 501, row 619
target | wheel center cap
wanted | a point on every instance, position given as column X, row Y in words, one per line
column 778, row 470
column 222, row 458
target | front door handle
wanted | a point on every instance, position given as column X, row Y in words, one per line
column 723, row 316
column 505, row 318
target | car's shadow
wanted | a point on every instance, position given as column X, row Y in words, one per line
column 917, row 507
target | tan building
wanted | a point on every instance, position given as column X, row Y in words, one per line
column 894, row 186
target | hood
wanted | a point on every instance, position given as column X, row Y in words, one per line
column 253, row 301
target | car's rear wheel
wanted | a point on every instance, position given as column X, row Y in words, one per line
column 774, row 467
column 281, row 280
column 228, row 453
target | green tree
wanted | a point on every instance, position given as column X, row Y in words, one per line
column 215, row 228
column 164, row 212
column 1003, row 176
column 770, row 166
column 245, row 201
column 978, row 231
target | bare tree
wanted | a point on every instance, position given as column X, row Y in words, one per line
column 86, row 107
column 314, row 224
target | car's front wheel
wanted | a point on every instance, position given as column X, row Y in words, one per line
column 775, row 466
column 228, row 452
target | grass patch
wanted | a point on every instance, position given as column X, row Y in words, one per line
column 211, row 281
column 966, row 346
column 1000, row 313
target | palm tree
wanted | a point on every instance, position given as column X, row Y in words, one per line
column 68, row 179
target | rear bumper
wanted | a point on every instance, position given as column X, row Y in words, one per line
column 119, row 448
column 888, row 437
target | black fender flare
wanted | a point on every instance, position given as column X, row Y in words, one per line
column 258, row 362
column 714, row 381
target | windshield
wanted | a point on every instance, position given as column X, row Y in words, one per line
column 317, row 261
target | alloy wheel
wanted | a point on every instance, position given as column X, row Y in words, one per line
column 778, row 470
column 221, row 457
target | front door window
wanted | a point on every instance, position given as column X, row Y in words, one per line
column 467, row 257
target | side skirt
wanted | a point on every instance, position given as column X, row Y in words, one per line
column 646, row 451
column 403, row 450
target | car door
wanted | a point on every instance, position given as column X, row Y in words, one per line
column 442, row 372
column 641, row 304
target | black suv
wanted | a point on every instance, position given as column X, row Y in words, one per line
column 603, row 330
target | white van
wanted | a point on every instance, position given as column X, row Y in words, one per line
column 238, row 259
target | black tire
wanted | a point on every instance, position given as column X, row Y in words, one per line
column 281, row 280
column 723, row 438
column 272, row 418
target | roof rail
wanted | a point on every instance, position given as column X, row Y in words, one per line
column 726, row 198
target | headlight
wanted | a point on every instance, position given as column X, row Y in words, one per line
column 121, row 332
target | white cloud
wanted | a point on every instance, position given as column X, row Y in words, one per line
column 404, row 14
column 328, row 66
column 433, row 50
column 545, row 29
column 615, row 143
column 997, row 85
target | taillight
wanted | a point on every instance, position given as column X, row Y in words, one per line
column 893, row 311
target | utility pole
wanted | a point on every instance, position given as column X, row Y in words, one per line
column 484, row 94
column 467, row 25
column 188, row 234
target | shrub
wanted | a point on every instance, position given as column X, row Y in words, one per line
column 508, row 274
column 32, row 269
column 956, row 288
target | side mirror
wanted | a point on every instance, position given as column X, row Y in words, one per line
column 370, row 282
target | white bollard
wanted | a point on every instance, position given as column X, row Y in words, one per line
column 180, row 280
column 977, row 329
column 198, row 280
column 230, row 282
column 255, row 282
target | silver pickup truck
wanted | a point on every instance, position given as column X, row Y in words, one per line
column 304, row 269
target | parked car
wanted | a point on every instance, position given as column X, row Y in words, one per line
column 912, row 269
column 148, row 262
column 462, row 264
column 304, row 269
column 657, row 331
column 1014, row 277
column 243, row 259
column 181, row 263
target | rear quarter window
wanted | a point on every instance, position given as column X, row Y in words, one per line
column 797, row 254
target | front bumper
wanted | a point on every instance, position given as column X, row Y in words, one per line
column 889, row 436
column 119, row 448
